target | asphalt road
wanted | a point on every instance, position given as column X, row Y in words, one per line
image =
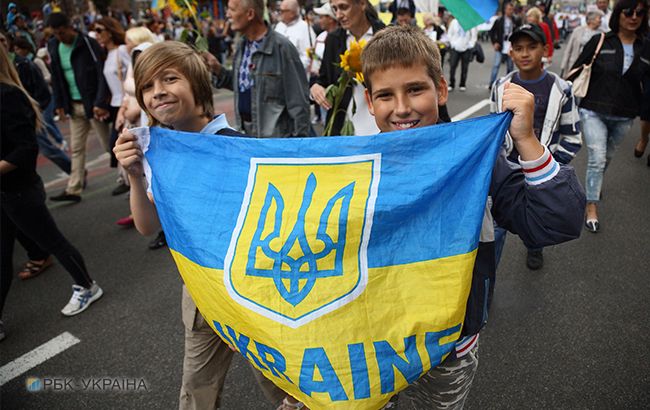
column 573, row 335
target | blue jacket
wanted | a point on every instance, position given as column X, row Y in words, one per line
column 544, row 207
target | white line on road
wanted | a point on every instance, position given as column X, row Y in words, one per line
column 89, row 164
column 37, row 356
column 471, row 110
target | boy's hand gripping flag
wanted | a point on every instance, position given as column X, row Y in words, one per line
column 341, row 266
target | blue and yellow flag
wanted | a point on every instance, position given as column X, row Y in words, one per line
column 341, row 266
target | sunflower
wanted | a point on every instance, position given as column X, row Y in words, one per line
column 351, row 59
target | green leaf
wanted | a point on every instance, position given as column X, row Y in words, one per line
column 201, row 43
column 348, row 128
column 184, row 35
column 330, row 92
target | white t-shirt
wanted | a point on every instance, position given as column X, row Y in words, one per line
column 117, row 57
column 301, row 35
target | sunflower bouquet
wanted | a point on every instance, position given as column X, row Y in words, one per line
column 187, row 8
column 351, row 73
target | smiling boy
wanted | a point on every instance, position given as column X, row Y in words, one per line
column 405, row 85
column 173, row 86
column 556, row 121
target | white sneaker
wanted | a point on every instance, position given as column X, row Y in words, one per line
column 462, row 88
column 81, row 299
column 450, row 88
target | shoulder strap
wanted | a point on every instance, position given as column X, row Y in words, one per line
column 600, row 44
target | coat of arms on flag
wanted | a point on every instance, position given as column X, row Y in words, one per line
column 340, row 266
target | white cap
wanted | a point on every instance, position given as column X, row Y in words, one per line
column 325, row 10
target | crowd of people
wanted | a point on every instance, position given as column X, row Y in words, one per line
column 114, row 71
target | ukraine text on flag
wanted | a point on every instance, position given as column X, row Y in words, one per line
column 340, row 267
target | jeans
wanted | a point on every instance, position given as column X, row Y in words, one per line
column 48, row 118
column 53, row 153
column 603, row 134
column 498, row 56
column 454, row 58
column 25, row 211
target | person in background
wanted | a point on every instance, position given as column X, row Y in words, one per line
column 534, row 16
column 579, row 38
column 23, row 195
column 80, row 92
column 404, row 17
column 614, row 95
column 293, row 27
column 500, row 37
column 327, row 22
column 267, row 77
column 603, row 5
column 462, row 44
column 358, row 21
column 401, row 4
column 110, row 35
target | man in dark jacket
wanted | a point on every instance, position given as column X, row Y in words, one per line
column 500, row 35
column 80, row 91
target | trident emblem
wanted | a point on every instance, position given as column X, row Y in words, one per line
column 303, row 268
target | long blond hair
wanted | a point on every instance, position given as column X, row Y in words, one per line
column 9, row 76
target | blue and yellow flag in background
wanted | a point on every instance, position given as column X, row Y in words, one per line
column 340, row 267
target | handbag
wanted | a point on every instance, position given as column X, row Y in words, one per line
column 478, row 53
column 581, row 83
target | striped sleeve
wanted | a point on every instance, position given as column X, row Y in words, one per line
column 569, row 140
column 540, row 170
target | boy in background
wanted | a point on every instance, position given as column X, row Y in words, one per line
column 405, row 85
column 556, row 121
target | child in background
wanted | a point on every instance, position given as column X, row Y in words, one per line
column 556, row 122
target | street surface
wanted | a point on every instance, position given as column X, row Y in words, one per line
column 573, row 335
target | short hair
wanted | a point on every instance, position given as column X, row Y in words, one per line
column 402, row 11
column 22, row 42
column 181, row 57
column 256, row 5
column 591, row 15
column 626, row 4
column 400, row 46
column 57, row 20
column 535, row 12
column 139, row 35
column 114, row 27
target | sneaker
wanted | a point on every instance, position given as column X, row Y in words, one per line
column 461, row 88
column 450, row 88
column 126, row 222
column 64, row 196
column 81, row 299
column 158, row 242
column 535, row 260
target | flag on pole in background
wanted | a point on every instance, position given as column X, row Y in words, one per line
column 340, row 267
column 471, row 13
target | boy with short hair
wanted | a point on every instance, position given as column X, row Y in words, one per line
column 405, row 85
column 173, row 86
column 556, row 121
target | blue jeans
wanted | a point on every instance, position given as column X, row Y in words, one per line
column 48, row 119
column 52, row 152
column 498, row 56
column 603, row 134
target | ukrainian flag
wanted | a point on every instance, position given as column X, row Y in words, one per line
column 341, row 266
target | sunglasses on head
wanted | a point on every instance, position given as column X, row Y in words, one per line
column 631, row 12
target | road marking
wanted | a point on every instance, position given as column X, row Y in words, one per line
column 37, row 356
column 471, row 110
column 90, row 164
